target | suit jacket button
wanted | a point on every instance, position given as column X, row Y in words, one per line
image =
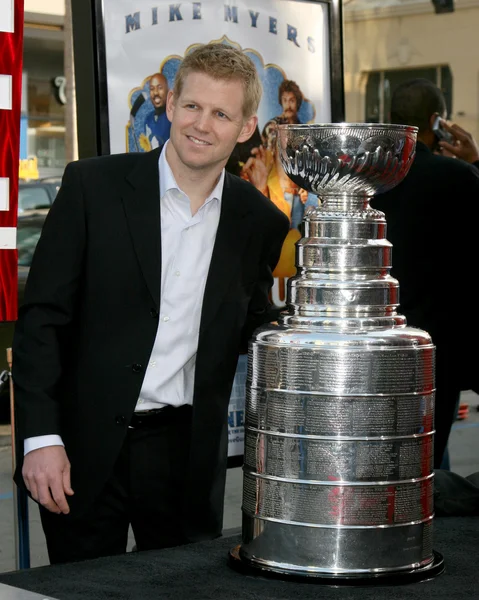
column 120, row 419
column 136, row 368
column 154, row 313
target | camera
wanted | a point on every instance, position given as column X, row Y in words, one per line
column 441, row 134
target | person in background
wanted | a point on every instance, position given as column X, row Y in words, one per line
column 464, row 147
column 152, row 272
column 157, row 124
column 431, row 217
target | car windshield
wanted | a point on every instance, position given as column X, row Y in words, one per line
column 32, row 197
column 27, row 238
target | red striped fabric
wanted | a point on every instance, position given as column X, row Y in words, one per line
column 11, row 61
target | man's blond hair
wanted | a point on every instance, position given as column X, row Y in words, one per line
column 223, row 62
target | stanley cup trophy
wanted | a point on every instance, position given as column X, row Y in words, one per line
column 338, row 459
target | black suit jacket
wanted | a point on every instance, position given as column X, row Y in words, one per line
column 432, row 223
column 88, row 324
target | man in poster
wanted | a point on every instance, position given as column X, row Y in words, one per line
column 281, row 188
column 290, row 97
column 263, row 167
column 157, row 124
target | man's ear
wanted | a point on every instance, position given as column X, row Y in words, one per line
column 170, row 105
column 249, row 127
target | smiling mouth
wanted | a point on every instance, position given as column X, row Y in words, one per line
column 197, row 141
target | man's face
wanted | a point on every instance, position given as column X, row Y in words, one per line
column 158, row 90
column 289, row 104
column 207, row 121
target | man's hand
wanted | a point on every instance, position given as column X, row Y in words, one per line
column 464, row 147
column 46, row 473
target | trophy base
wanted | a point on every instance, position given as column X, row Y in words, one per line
column 341, row 579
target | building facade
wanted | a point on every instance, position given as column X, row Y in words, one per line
column 389, row 41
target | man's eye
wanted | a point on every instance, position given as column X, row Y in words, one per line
column 191, row 106
column 221, row 115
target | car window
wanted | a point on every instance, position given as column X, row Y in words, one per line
column 32, row 197
column 27, row 238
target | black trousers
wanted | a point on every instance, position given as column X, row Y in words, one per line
column 144, row 490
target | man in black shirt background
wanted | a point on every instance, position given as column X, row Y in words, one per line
column 431, row 222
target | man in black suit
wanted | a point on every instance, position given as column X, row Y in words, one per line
column 151, row 273
column 431, row 221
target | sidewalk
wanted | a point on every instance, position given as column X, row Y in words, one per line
column 5, row 435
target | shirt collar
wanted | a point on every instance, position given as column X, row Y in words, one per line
column 168, row 181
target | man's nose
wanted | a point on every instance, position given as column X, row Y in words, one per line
column 203, row 122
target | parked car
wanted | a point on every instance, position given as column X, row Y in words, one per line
column 34, row 195
column 29, row 227
column 54, row 179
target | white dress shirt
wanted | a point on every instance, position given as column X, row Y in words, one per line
column 186, row 247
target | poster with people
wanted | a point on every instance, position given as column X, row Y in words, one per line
column 288, row 42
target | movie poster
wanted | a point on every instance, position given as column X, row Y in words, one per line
column 288, row 42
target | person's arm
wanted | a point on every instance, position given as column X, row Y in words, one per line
column 40, row 341
column 260, row 309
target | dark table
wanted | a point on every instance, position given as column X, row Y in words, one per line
column 200, row 571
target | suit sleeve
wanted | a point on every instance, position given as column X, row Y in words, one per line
column 260, row 309
column 45, row 318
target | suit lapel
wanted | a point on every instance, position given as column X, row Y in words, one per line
column 234, row 230
column 141, row 200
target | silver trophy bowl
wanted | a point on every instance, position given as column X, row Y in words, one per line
column 354, row 159
column 338, row 471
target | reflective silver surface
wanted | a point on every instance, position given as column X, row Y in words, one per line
column 347, row 158
column 338, row 471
